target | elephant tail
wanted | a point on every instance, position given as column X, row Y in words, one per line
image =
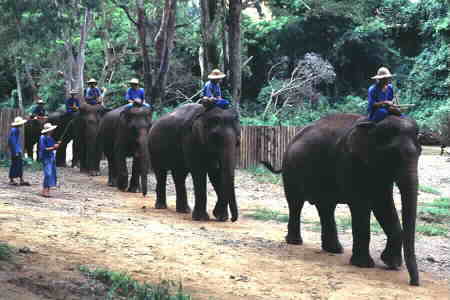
column 271, row 168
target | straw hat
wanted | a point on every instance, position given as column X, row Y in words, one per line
column 134, row 81
column 48, row 127
column 73, row 92
column 92, row 80
column 383, row 72
column 18, row 121
column 216, row 74
column 40, row 101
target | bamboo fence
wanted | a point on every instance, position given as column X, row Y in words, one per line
column 264, row 143
column 6, row 118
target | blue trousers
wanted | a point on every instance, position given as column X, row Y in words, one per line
column 49, row 166
column 16, row 169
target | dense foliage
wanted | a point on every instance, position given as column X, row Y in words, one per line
column 353, row 38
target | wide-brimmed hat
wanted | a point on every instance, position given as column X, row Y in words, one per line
column 18, row 121
column 216, row 74
column 48, row 127
column 92, row 80
column 383, row 72
column 73, row 92
column 40, row 101
column 134, row 81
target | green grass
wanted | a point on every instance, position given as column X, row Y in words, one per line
column 264, row 214
column 122, row 285
column 429, row 190
column 6, row 252
column 265, row 176
column 436, row 217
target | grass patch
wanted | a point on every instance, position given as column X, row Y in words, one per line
column 264, row 214
column 429, row 190
column 436, row 216
column 265, row 176
column 122, row 285
column 6, row 252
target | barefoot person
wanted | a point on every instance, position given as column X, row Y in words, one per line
column 48, row 146
column 15, row 147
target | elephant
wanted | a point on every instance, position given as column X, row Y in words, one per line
column 86, row 125
column 201, row 141
column 122, row 133
column 32, row 133
column 342, row 158
column 65, row 132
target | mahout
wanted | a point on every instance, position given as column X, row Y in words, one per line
column 343, row 159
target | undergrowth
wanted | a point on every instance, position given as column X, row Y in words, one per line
column 6, row 252
column 121, row 285
column 263, row 175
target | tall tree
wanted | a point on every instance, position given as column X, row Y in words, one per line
column 235, row 9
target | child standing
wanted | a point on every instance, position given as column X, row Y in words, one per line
column 47, row 146
column 16, row 169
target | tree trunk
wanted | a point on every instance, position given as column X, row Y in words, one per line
column 31, row 82
column 210, row 16
column 142, row 32
column 163, row 48
column 80, row 58
column 19, row 86
column 235, row 49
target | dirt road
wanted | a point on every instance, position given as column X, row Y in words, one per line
column 88, row 223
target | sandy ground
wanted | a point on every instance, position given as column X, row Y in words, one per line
column 88, row 223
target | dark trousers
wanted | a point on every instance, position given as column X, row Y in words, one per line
column 16, row 169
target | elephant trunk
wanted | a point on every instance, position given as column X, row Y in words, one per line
column 228, row 165
column 144, row 159
column 407, row 182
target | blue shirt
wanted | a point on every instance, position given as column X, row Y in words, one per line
column 14, row 141
column 376, row 94
column 39, row 110
column 91, row 95
column 135, row 94
column 212, row 90
column 45, row 142
column 70, row 102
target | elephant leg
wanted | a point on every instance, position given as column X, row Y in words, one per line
column 386, row 215
column 199, row 213
column 161, row 179
column 220, row 211
column 61, row 155
column 295, row 200
column 361, row 235
column 134, row 180
column 111, row 172
column 330, row 241
column 179, row 177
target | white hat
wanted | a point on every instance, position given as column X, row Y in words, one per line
column 216, row 74
column 40, row 101
column 383, row 72
column 73, row 92
column 48, row 127
column 134, row 81
column 18, row 121
column 92, row 80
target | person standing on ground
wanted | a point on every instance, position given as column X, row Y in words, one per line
column 15, row 147
column 47, row 146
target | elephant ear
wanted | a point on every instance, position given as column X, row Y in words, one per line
column 357, row 141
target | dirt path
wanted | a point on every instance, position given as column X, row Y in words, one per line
column 88, row 223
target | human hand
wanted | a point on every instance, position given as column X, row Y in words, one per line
column 56, row 146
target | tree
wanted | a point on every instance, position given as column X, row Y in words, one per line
column 235, row 8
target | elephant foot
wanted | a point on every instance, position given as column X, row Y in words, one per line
column 83, row 170
column 133, row 189
column 220, row 215
column 111, row 183
column 332, row 246
column 200, row 216
column 294, row 240
column 94, row 173
column 362, row 261
column 183, row 210
column 160, row 205
column 392, row 261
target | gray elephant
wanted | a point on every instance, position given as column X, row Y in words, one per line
column 339, row 159
column 201, row 141
column 123, row 133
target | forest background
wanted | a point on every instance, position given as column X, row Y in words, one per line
column 288, row 62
